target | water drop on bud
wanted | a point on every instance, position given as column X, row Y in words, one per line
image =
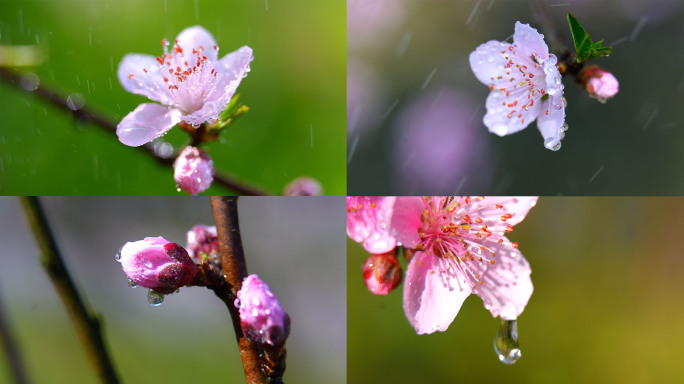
column 154, row 298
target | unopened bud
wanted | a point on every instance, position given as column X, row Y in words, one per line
column 263, row 319
column 382, row 273
column 202, row 241
column 157, row 264
column 303, row 186
column 600, row 84
column 193, row 170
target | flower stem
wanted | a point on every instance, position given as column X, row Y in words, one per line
column 235, row 270
column 14, row 358
column 57, row 98
column 87, row 325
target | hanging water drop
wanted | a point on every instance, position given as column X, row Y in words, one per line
column 132, row 283
column 154, row 298
column 506, row 342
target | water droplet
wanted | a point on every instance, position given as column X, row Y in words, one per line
column 75, row 101
column 132, row 283
column 154, row 298
column 30, row 81
column 564, row 127
column 552, row 143
column 557, row 106
column 552, row 59
column 552, row 91
column 506, row 342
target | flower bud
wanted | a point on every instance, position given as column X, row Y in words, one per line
column 303, row 186
column 263, row 319
column 193, row 170
column 382, row 273
column 600, row 84
column 202, row 240
column 157, row 264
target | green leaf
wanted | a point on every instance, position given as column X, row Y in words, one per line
column 585, row 48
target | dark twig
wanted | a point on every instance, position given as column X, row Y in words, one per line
column 87, row 325
column 235, row 270
column 12, row 352
column 58, row 99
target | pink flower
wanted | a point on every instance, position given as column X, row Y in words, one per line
column 262, row 318
column 303, row 186
column 382, row 273
column 461, row 249
column 600, row 84
column 525, row 85
column 201, row 241
column 367, row 222
column 191, row 83
column 157, row 264
column 193, row 170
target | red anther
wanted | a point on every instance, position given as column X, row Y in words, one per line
column 173, row 87
column 130, row 76
column 519, row 115
column 164, row 42
column 547, row 111
column 506, row 216
column 166, row 79
column 467, row 200
column 491, row 87
column 185, row 63
column 514, row 245
column 484, row 228
column 177, row 48
column 215, row 48
column 467, row 219
column 509, row 228
column 508, row 94
column 204, row 58
column 499, row 206
column 144, row 70
column 178, row 69
column 531, row 75
column 478, row 220
column 170, row 70
column 194, row 51
column 502, row 89
column 510, row 48
column 524, row 66
column 522, row 121
column 160, row 60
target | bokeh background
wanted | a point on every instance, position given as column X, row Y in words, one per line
column 415, row 108
column 606, row 306
column 296, row 245
column 295, row 91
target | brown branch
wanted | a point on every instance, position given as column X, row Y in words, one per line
column 235, row 270
column 87, row 325
column 57, row 98
column 12, row 352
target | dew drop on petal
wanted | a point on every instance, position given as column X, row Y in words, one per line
column 154, row 298
column 564, row 127
column 132, row 283
column 506, row 342
column 553, row 144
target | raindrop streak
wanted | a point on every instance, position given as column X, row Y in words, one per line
column 155, row 299
column 311, row 129
column 506, row 342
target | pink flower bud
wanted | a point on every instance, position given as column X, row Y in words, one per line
column 157, row 264
column 382, row 273
column 303, row 186
column 193, row 170
column 202, row 241
column 600, row 84
column 263, row 319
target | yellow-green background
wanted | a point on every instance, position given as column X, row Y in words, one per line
column 606, row 308
column 296, row 92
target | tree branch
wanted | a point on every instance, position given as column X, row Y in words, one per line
column 235, row 270
column 58, row 99
column 87, row 325
column 14, row 358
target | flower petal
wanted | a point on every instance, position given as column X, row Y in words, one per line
column 146, row 123
column 487, row 62
column 528, row 41
column 432, row 297
column 232, row 68
column 507, row 286
column 405, row 220
column 516, row 206
column 503, row 120
column 134, row 79
column 551, row 125
column 195, row 38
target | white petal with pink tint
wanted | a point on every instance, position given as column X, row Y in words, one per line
column 198, row 38
column 432, row 297
column 405, row 220
column 146, row 123
column 139, row 74
column 499, row 206
column 528, row 41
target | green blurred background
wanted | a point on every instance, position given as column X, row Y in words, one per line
column 296, row 125
column 296, row 245
column 607, row 305
column 415, row 108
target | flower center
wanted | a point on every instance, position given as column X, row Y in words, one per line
column 463, row 238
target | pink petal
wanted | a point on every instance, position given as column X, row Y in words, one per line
column 487, row 62
column 550, row 125
column 432, row 297
column 496, row 119
column 134, row 79
column 146, row 123
column 194, row 38
column 232, row 68
column 517, row 206
column 405, row 220
column 507, row 286
column 527, row 41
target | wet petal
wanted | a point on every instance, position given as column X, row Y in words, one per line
column 516, row 206
column 507, row 286
column 506, row 115
column 487, row 62
column 432, row 298
column 527, row 41
column 146, row 123
column 550, row 124
column 405, row 220
column 194, row 38
column 134, row 79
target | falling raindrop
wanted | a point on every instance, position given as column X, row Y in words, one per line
column 154, row 298
column 506, row 342
column 132, row 283
column 75, row 101
column 118, row 254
